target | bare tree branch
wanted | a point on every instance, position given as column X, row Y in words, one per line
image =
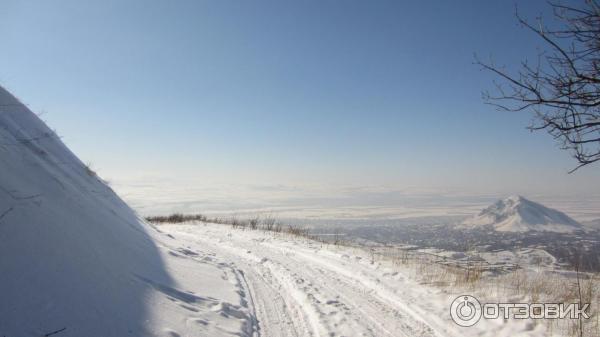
column 55, row 332
column 5, row 213
column 563, row 87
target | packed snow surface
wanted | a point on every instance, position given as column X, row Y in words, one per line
column 518, row 214
column 299, row 287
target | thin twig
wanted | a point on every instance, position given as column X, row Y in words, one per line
column 6, row 212
column 55, row 332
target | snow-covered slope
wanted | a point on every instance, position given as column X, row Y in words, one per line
column 72, row 254
column 517, row 214
column 76, row 260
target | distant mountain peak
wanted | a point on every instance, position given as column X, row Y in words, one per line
column 519, row 214
column 516, row 198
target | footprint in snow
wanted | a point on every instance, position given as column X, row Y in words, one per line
column 171, row 333
column 187, row 252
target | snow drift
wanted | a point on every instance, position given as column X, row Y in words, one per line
column 518, row 214
column 73, row 256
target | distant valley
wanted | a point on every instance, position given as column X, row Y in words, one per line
column 509, row 225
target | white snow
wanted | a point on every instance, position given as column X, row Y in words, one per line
column 300, row 287
column 77, row 261
column 73, row 256
column 518, row 214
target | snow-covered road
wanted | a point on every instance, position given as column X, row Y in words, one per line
column 290, row 286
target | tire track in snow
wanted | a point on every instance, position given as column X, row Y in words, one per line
column 277, row 313
column 361, row 299
column 319, row 296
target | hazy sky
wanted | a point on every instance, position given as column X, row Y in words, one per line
column 285, row 93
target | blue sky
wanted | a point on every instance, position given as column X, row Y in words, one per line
column 369, row 93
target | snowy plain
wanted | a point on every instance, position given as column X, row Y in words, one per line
column 156, row 194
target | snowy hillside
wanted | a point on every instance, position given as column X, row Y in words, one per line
column 518, row 214
column 76, row 260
